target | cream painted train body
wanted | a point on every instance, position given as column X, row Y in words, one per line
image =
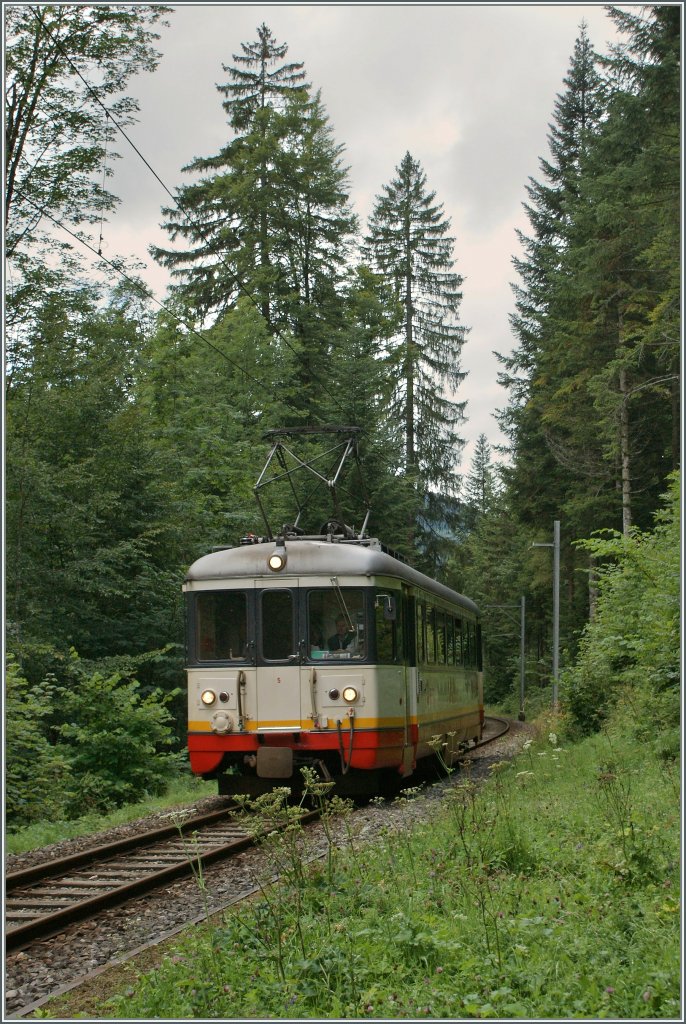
column 325, row 652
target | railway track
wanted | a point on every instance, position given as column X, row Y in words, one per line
column 43, row 900
column 494, row 732
column 38, row 970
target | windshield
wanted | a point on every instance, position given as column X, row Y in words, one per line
column 336, row 624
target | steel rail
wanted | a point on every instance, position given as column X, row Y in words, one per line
column 101, row 859
column 489, row 739
column 117, row 889
column 38, row 872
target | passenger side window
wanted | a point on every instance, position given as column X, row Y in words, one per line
column 431, row 635
column 472, row 645
column 459, row 651
column 440, row 637
column 421, row 634
column 450, row 639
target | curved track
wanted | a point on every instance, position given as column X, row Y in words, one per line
column 495, row 735
column 41, row 901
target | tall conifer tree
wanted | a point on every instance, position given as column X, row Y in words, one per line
column 593, row 380
column 480, row 486
column 408, row 242
column 270, row 218
column 628, row 257
column 545, row 373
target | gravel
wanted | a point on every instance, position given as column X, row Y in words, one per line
column 55, row 965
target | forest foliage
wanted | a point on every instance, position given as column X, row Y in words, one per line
column 134, row 436
column 631, row 649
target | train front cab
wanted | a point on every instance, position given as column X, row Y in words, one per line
column 267, row 695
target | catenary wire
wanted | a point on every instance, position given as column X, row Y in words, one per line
column 235, row 278
column 142, row 288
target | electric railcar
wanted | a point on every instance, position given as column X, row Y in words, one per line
column 327, row 652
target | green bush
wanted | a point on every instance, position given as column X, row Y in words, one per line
column 118, row 741
column 549, row 892
column 37, row 773
column 85, row 744
column 632, row 646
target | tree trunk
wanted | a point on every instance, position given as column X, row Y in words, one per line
column 625, row 452
column 592, row 589
column 676, row 423
column 409, row 367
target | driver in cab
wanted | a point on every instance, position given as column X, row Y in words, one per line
column 342, row 637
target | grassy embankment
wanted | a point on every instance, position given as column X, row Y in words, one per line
column 551, row 892
column 184, row 790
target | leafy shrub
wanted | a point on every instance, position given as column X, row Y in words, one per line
column 118, row 741
column 633, row 642
column 88, row 742
column 37, row 773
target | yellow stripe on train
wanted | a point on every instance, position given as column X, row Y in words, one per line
column 307, row 726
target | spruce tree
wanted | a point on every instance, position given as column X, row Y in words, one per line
column 408, row 242
column 480, row 486
column 630, row 258
column 611, row 390
column 593, row 380
column 269, row 220
column 545, row 374
column 258, row 80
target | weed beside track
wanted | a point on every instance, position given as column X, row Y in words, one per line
column 549, row 892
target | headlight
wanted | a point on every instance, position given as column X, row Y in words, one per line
column 208, row 697
column 350, row 694
column 277, row 559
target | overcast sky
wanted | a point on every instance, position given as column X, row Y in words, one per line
column 469, row 90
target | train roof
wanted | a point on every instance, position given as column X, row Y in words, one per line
column 318, row 556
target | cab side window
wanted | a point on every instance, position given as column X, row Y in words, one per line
column 221, row 625
column 387, row 614
column 277, row 625
column 336, row 624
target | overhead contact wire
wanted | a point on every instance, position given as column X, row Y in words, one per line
column 143, row 289
column 174, row 197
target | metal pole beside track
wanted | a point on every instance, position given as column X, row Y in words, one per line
column 522, row 646
column 522, row 654
column 556, row 610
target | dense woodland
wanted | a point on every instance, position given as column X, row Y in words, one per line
column 135, row 431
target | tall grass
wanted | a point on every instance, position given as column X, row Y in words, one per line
column 551, row 891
